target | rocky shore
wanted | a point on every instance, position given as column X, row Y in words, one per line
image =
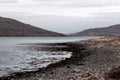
column 91, row 60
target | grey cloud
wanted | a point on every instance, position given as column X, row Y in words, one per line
column 66, row 16
column 67, row 25
column 8, row 1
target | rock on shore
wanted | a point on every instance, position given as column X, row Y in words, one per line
column 110, row 73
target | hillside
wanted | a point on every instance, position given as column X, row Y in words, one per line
column 106, row 31
column 10, row 27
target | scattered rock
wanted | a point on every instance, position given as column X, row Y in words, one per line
column 35, row 79
column 68, row 67
column 113, row 73
column 86, row 75
column 77, row 70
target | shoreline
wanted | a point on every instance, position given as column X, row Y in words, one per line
column 88, row 56
column 71, row 47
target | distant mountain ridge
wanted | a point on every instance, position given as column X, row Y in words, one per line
column 106, row 31
column 10, row 27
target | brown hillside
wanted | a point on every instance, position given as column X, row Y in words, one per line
column 11, row 27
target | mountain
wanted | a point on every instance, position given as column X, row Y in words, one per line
column 10, row 27
column 106, row 31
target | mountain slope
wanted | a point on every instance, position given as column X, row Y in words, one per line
column 106, row 31
column 11, row 27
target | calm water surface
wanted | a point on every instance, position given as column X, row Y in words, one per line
column 15, row 57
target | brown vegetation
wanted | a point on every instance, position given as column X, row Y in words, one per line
column 106, row 31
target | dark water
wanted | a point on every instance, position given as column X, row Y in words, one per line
column 14, row 57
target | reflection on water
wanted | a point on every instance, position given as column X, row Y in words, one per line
column 15, row 57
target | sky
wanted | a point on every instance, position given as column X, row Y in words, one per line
column 63, row 16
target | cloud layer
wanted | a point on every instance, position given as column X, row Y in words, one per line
column 81, row 12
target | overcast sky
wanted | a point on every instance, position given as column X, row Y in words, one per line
column 65, row 16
